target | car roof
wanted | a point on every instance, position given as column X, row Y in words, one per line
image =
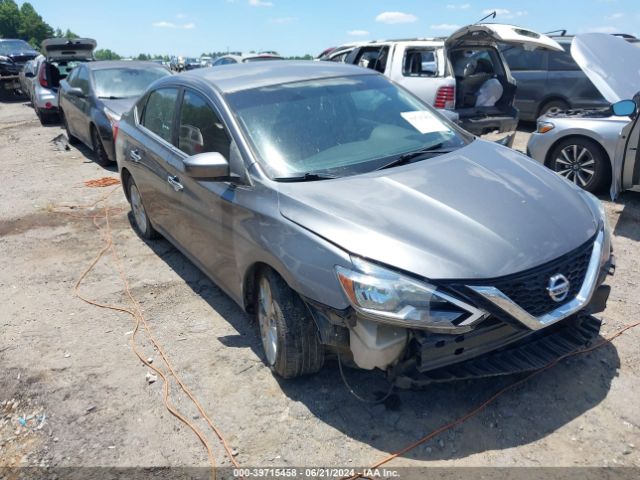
column 246, row 76
column 104, row 64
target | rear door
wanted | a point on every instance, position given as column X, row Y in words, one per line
column 156, row 161
column 529, row 68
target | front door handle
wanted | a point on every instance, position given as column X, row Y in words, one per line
column 175, row 183
column 135, row 156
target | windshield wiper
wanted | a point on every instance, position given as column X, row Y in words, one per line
column 111, row 97
column 307, row 177
column 407, row 157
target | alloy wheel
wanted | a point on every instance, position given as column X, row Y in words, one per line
column 138, row 210
column 576, row 164
column 267, row 320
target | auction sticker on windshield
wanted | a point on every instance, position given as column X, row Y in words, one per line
column 424, row 122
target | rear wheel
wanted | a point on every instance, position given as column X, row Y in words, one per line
column 288, row 332
column 553, row 106
column 581, row 161
column 140, row 218
column 98, row 148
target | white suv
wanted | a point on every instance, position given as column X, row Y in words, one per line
column 449, row 72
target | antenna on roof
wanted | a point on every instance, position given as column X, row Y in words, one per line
column 491, row 15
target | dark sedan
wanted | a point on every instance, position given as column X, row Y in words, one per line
column 95, row 95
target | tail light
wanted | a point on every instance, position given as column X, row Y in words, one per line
column 445, row 98
column 42, row 76
column 115, row 128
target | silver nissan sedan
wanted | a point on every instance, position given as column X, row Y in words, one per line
column 357, row 223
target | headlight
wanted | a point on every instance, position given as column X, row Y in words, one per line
column 389, row 297
column 4, row 59
column 544, row 127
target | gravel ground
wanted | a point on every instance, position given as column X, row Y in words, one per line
column 72, row 392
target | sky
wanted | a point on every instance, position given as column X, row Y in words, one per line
column 298, row 27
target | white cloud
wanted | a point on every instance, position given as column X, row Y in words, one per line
column 615, row 16
column 284, row 20
column 260, row 3
column 505, row 13
column 165, row 24
column 450, row 27
column 358, row 33
column 396, row 17
column 464, row 6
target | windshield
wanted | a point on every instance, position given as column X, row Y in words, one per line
column 125, row 82
column 338, row 126
column 14, row 46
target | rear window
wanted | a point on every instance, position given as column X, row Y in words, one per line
column 420, row 62
column 520, row 59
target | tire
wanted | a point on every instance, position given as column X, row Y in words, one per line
column 43, row 116
column 289, row 337
column 141, row 221
column 582, row 161
column 102, row 158
column 70, row 138
column 553, row 106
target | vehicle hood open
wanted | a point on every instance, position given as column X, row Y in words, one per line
column 492, row 33
column 611, row 63
column 480, row 212
column 71, row 48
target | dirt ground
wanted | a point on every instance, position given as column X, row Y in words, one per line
column 72, row 392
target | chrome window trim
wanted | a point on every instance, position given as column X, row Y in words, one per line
column 582, row 299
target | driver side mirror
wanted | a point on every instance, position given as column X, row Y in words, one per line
column 624, row 108
column 209, row 166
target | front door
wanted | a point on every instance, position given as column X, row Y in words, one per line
column 630, row 156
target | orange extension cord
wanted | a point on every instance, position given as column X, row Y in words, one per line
column 140, row 319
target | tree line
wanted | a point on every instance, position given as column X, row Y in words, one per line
column 25, row 23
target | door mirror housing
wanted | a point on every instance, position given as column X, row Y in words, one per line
column 209, row 165
column 624, row 108
column 75, row 92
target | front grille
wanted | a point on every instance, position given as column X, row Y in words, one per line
column 529, row 289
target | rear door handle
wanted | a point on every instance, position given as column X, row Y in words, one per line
column 135, row 156
column 175, row 183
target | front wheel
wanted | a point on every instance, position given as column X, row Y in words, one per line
column 289, row 337
column 581, row 161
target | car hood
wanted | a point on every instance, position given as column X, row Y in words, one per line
column 617, row 77
column 120, row 105
column 483, row 211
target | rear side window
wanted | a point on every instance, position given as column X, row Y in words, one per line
column 200, row 128
column 520, row 59
column 374, row 58
column 420, row 62
column 158, row 113
column 562, row 61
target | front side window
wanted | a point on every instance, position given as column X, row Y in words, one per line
column 374, row 58
column 420, row 62
column 200, row 128
column 81, row 79
column 117, row 83
column 158, row 112
column 338, row 126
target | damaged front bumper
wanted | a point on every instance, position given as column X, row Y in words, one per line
column 513, row 337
